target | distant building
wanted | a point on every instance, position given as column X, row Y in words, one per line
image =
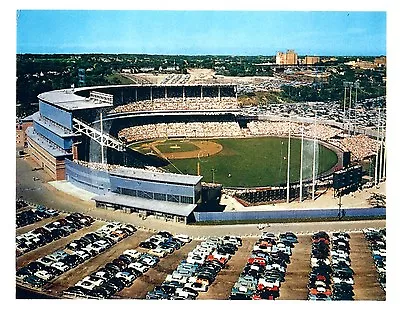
column 311, row 60
column 380, row 61
column 288, row 58
column 361, row 64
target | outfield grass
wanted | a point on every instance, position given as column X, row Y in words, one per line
column 257, row 162
column 183, row 146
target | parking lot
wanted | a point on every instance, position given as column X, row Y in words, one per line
column 221, row 288
column 295, row 286
column 55, row 245
column 366, row 285
column 71, row 277
column 156, row 275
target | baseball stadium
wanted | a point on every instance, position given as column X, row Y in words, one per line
column 174, row 150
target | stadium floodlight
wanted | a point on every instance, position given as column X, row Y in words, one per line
column 377, row 152
column 288, row 164
column 314, row 154
column 301, row 161
column 348, row 123
column 213, row 175
column 101, row 136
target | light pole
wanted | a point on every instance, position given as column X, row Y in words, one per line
column 314, row 154
column 356, row 86
column 288, row 164
column 301, row 161
column 348, row 123
column 212, row 173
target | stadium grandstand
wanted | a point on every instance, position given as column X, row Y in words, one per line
column 81, row 135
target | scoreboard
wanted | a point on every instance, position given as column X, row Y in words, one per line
column 347, row 177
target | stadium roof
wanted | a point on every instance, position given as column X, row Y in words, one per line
column 156, row 176
column 68, row 100
column 166, row 207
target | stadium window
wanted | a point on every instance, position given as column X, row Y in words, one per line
column 147, row 195
column 140, row 194
column 173, row 198
column 129, row 192
column 158, row 196
column 186, row 200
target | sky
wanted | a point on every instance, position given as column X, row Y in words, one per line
column 201, row 32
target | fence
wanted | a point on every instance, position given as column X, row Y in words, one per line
column 287, row 214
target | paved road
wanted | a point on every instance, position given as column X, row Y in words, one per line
column 40, row 192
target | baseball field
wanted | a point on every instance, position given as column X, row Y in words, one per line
column 247, row 162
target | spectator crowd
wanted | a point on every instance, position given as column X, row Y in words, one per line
column 188, row 103
column 361, row 146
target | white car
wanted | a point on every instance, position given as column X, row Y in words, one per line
column 209, row 245
column 94, row 279
column 203, row 249
column 214, row 239
column 262, row 281
column 44, row 275
column 340, row 253
column 139, row 266
column 338, row 260
column 92, row 250
column 151, row 262
column 381, row 252
column 233, row 239
column 176, row 277
column 158, row 252
column 82, row 254
column 45, row 261
column 184, row 293
column 86, row 284
column 275, row 266
column 337, row 280
column 217, row 255
column 126, row 276
column 134, row 254
column 195, row 259
column 316, row 261
column 60, row 266
column 102, row 244
column 200, row 287
column 183, row 238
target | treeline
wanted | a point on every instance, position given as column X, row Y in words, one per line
column 370, row 82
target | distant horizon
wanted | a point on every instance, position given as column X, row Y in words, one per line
column 231, row 55
column 198, row 33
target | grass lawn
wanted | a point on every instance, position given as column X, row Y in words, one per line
column 257, row 162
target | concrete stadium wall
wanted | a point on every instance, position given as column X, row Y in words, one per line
column 94, row 181
column 287, row 214
column 55, row 114
column 64, row 143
